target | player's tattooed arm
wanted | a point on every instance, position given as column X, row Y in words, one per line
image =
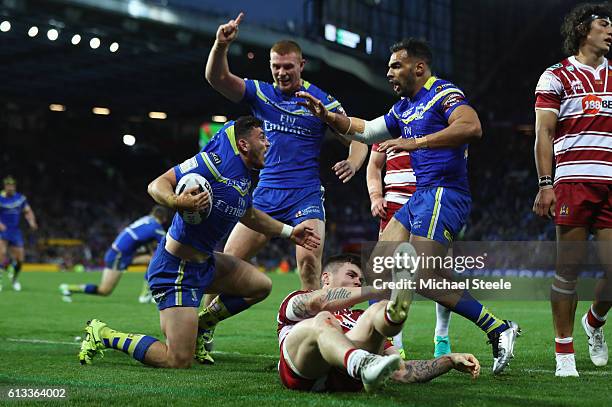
column 421, row 371
column 331, row 299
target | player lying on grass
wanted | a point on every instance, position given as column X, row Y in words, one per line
column 185, row 267
column 327, row 346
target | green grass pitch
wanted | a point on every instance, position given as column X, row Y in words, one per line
column 38, row 349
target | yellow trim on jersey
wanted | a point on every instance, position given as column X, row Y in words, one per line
column 432, row 102
column 430, row 82
column 436, row 212
column 178, row 294
column 220, row 178
column 265, row 99
column 231, row 136
column 332, row 105
column 305, row 84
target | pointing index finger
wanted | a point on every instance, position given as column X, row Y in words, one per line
column 239, row 18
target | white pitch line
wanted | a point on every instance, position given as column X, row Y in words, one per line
column 77, row 343
column 41, row 341
column 582, row 373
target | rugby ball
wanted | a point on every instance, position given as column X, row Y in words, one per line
column 189, row 181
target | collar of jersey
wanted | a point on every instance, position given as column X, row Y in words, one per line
column 302, row 111
column 574, row 61
column 425, row 89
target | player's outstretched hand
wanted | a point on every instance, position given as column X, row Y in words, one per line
column 192, row 199
column 313, row 104
column 544, row 204
column 466, row 363
column 305, row 236
column 379, row 207
column 228, row 32
column 344, row 170
column 396, row 145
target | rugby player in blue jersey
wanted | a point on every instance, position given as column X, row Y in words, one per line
column 434, row 122
column 289, row 187
column 12, row 205
column 142, row 232
column 185, row 265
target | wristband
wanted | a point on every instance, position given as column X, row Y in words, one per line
column 349, row 127
column 545, row 181
column 286, row 232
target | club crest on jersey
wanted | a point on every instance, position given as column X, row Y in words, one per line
column 564, row 211
column 576, row 85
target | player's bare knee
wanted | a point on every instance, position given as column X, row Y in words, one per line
column 263, row 289
column 180, row 360
column 326, row 320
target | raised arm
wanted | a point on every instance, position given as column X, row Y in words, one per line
column 546, row 125
column 217, row 68
column 261, row 222
column 308, row 305
column 375, row 185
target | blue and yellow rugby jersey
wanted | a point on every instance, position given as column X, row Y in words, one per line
column 295, row 135
column 220, row 163
column 142, row 231
column 11, row 208
column 427, row 113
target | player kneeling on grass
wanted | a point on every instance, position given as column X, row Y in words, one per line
column 184, row 266
column 327, row 346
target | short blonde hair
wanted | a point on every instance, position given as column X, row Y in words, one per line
column 286, row 47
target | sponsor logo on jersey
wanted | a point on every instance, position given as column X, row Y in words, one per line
column 188, row 165
column 452, row 100
column 440, row 87
column 570, row 68
column 564, row 211
column 592, row 104
column 215, row 158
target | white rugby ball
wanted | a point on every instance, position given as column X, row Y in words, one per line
column 189, row 181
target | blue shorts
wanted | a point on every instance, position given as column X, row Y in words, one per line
column 115, row 260
column 13, row 237
column 178, row 283
column 436, row 213
column 291, row 206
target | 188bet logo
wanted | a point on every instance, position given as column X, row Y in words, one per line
column 592, row 104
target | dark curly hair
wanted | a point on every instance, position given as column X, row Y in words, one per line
column 577, row 24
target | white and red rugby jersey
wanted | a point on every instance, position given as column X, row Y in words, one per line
column 286, row 318
column 582, row 99
column 400, row 181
